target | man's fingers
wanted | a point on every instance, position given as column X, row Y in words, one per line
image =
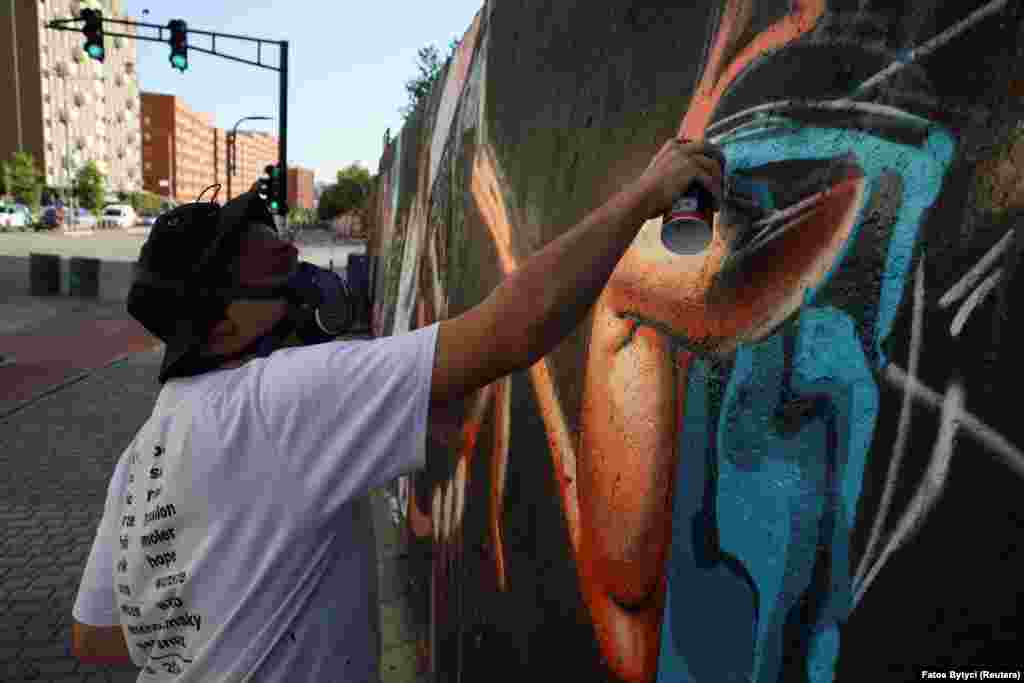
column 710, row 184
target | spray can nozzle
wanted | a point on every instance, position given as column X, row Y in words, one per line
column 687, row 227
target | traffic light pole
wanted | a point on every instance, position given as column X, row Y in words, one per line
column 282, row 139
column 282, row 69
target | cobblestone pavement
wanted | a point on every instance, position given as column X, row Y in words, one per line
column 58, row 453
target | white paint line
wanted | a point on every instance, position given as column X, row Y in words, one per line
column 932, row 45
column 957, row 291
column 931, row 488
column 842, row 104
column 973, row 301
column 1011, row 456
column 903, row 429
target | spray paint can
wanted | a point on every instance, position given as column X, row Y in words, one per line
column 687, row 227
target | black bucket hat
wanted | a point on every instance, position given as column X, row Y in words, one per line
column 184, row 262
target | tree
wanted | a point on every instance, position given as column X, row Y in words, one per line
column 330, row 204
column 5, row 178
column 144, row 202
column 430, row 66
column 356, row 172
column 91, row 187
column 348, row 194
column 23, row 181
column 300, row 216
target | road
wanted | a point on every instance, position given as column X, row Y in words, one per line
column 125, row 247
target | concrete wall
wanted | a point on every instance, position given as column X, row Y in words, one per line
column 791, row 456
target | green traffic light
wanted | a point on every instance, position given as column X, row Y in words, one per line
column 274, row 205
column 95, row 51
column 179, row 62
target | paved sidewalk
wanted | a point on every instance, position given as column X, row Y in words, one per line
column 57, row 452
column 50, row 342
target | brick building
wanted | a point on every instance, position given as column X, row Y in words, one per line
column 183, row 152
column 300, row 188
column 255, row 151
column 60, row 105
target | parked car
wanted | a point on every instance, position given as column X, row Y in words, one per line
column 118, row 216
column 27, row 212
column 12, row 217
column 83, row 218
column 52, row 217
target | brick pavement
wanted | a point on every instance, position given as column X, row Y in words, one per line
column 63, row 343
column 58, row 452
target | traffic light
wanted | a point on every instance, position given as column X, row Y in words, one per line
column 179, row 45
column 263, row 185
column 93, row 31
column 275, row 200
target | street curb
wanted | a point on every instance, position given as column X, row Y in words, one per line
column 74, row 379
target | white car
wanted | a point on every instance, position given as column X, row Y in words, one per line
column 118, row 216
column 83, row 218
column 11, row 216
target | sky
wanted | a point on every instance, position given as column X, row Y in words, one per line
column 348, row 64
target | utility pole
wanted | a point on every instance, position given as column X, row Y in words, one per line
column 233, row 147
column 178, row 28
column 17, row 76
column 282, row 141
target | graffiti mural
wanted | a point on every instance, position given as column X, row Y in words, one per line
column 741, row 467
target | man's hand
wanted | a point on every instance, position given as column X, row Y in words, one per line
column 674, row 167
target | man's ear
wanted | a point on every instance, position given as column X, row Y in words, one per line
column 224, row 330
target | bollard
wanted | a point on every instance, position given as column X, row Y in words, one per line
column 85, row 277
column 44, row 274
column 357, row 273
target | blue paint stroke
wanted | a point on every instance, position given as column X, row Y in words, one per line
column 921, row 169
column 759, row 578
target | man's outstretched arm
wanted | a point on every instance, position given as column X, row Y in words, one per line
column 537, row 306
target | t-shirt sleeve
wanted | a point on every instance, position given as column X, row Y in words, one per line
column 96, row 603
column 347, row 417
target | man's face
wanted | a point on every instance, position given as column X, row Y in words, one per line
column 264, row 260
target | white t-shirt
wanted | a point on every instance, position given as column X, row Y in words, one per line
column 237, row 543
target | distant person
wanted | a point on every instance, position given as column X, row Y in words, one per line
column 236, row 542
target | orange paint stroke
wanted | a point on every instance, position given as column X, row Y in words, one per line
column 490, row 203
column 628, row 640
column 467, row 448
column 802, row 18
column 419, row 521
column 499, row 467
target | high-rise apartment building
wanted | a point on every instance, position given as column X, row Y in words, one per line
column 60, row 105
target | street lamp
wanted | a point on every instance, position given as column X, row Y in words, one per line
column 234, row 145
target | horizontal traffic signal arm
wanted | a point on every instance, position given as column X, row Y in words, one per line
column 77, row 23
